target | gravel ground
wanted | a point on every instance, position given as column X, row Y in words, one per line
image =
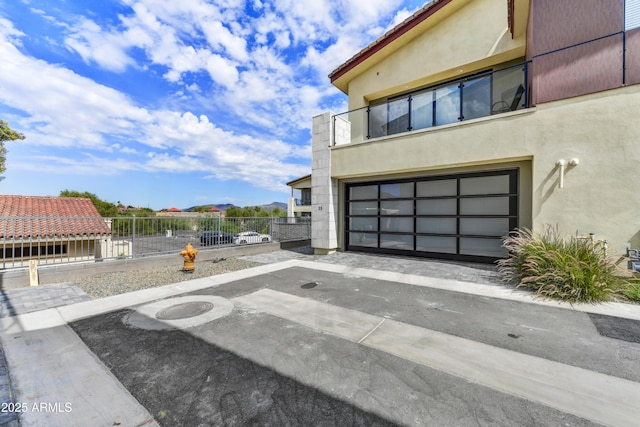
column 119, row 282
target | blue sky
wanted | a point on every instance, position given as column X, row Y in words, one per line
column 158, row 103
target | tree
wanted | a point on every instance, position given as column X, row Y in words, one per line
column 6, row 134
column 106, row 209
column 278, row 212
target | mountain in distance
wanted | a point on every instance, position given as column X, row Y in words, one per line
column 225, row 206
column 271, row 206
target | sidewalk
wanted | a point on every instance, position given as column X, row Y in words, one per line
column 25, row 300
column 340, row 339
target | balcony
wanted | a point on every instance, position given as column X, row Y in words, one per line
column 303, row 202
column 472, row 97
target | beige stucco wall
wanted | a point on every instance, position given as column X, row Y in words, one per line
column 444, row 51
column 599, row 195
column 439, row 49
column 303, row 183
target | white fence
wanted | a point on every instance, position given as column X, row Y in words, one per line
column 53, row 240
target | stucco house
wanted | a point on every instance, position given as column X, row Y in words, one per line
column 474, row 117
column 49, row 229
column 299, row 204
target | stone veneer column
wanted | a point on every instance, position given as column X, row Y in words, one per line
column 324, row 188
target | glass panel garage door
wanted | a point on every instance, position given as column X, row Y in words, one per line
column 453, row 217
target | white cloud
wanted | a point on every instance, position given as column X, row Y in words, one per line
column 106, row 49
column 270, row 70
column 220, row 36
column 9, row 32
column 222, row 70
column 64, row 108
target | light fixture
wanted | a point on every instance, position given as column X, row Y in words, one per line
column 562, row 163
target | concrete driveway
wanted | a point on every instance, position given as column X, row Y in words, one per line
column 332, row 341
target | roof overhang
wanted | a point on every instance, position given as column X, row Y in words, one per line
column 385, row 44
column 430, row 15
column 299, row 180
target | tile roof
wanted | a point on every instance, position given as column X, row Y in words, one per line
column 35, row 216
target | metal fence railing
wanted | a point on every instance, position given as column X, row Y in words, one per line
column 54, row 240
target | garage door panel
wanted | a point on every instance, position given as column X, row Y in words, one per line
column 484, row 226
column 485, row 206
column 437, row 188
column 437, row 244
column 364, row 192
column 404, row 189
column 437, row 225
column 363, row 239
column 363, row 208
column 396, row 224
column 396, row 207
column 396, row 241
column 363, row 224
column 437, row 207
column 482, row 247
column 495, row 184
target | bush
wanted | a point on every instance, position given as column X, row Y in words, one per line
column 573, row 270
column 632, row 290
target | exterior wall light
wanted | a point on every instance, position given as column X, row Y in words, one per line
column 562, row 164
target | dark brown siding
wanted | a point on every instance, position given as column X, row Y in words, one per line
column 576, row 47
column 632, row 60
column 583, row 69
column 559, row 24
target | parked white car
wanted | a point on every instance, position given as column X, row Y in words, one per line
column 251, row 237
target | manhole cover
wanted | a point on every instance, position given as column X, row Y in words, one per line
column 179, row 312
column 309, row 285
column 184, row 310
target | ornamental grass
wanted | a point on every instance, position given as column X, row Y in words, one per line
column 570, row 269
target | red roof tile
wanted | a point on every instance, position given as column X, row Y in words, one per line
column 34, row 216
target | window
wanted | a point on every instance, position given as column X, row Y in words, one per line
column 447, row 104
column 34, row 251
column 480, row 95
column 631, row 14
column 306, row 197
column 422, row 110
column 476, row 99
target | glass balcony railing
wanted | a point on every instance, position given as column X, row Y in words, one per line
column 480, row 95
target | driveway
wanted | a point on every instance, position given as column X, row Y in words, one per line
column 348, row 339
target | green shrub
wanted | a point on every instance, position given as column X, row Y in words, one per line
column 573, row 269
column 632, row 290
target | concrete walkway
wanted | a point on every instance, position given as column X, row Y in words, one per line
column 344, row 339
column 26, row 300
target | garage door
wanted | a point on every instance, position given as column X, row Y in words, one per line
column 462, row 217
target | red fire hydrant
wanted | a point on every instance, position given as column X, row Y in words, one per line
column 189, row 255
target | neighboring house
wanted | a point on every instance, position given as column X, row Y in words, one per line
column 473, row 118
column 299, row 204
column 50, row 228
